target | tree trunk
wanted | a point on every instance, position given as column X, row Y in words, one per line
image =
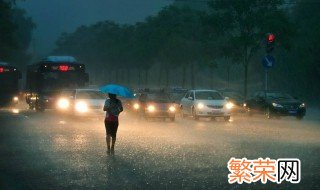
column 117, row 75
column 146, row 77
column 167, row 77
column 160, row 77
column 245, row 79
column 228, row 76
column 184, row 76
column 139, row 77
column 211, row 77
column 192, row 76
column 128, row 76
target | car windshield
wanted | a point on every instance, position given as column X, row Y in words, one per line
column 208, row 95
column 278, row 95
column 158, row 97
column 90, row 95
column 58, row 80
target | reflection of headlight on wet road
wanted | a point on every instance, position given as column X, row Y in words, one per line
column 172, row 109
column 63, row 103
column 229, row 105
column 151, row 108
column 15, row 111
column 15, row 99
column 81, row 107
column 136, row 106
column 200, row 106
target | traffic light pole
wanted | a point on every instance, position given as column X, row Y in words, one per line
column 266, row 83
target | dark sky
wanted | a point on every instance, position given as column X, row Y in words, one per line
column 53, row 17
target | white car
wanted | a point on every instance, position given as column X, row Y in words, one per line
column 205, row 103
column 82, row 102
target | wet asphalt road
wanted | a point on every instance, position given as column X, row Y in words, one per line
column 51, row 151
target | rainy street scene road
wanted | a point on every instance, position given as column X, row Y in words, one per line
column 51, row 151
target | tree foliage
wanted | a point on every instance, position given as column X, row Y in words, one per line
column 15, row 33
column 224, row 33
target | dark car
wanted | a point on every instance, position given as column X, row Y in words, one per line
column 155, row 105
column 234, row 97
column 275, row 104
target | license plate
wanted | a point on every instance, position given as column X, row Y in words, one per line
column 215, row 111
column 293, row 111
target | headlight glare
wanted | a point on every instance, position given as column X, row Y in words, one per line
column 200, row 106
column 229, row 105
column 172, row 109
column 15, row 99
column 81, row 107
column 63, row 103
column 136, row 106
column 151, row 108
column 302, row 105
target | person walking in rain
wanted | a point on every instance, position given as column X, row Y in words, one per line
column 113, row 108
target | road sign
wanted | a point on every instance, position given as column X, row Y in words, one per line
column 268, row 61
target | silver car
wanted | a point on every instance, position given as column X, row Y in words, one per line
column 205, row 103
column 82, row 102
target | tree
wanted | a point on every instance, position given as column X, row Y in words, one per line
column 244, row 24
column 7, row 29
column 306, row 49
column 15, row 33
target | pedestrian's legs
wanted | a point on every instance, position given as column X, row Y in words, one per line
column 108, row 139
column 113, row 143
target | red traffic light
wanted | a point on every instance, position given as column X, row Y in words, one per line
column 271, row 38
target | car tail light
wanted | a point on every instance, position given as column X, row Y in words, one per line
column 1, row 70
column 64, row 68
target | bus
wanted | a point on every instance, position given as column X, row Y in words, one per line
column 9, row 84
column 48, row 77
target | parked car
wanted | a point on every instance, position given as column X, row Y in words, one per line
column 275, row 104
column 81, row 102
column 155, row 105
column 234, row 97
column 205, row 103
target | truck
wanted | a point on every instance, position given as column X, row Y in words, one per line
column 47, row 78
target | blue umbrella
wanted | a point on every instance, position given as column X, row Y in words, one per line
column 118, row 90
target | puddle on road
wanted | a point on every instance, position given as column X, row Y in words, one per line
column 62, row 122
column 15, row 111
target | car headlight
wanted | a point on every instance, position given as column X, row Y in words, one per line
column 302, row 105
column 63, row 103
column 277, row 105
column 200, row 106
column 81, row 107
column 151, row 108
column 229, row 105
column 172, row 109
column 244, row 105
column 15, row 99
column 136, row 106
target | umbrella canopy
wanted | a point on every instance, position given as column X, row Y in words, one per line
column 118, row 90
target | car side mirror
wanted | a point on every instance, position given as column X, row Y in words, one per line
column 190, row 98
